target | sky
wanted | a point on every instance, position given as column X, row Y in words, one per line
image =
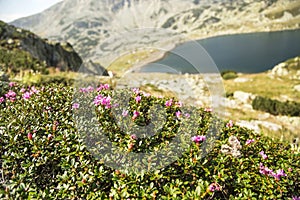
column 14, row 9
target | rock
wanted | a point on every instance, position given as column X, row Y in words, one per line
column 242, row 80
column 61, row 56
column 280, row 70
column 269, row 125
column 243, row 97
column 250, row 125
column 263, row 116
column 297, row 88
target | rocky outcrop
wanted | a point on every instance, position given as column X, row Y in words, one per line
column 289, row 68
column 57, row 55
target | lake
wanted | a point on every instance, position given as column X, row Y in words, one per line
column 246, row 53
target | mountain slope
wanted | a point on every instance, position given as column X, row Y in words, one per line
column 21, row 50
column 98, row 28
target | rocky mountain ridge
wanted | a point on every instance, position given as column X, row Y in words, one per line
column 59, row 55
column 98, row 29
column 23, row 50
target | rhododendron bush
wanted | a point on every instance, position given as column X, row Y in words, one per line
column 44, row 155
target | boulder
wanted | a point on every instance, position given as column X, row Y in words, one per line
column 243, row 97
column 280, row 70
column 297, row 88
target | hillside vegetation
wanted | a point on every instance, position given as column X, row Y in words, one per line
column 44, row 154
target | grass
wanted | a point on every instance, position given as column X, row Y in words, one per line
column 264, row 85
column 125, row 62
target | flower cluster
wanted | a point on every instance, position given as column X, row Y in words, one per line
column 198, row 138
column 264, row 156
column 169, row 103
column 138, row 98
column 135, row 115
column 75, row 105
column 268, row 172
column 11, row 95
column 229, row 124
column 249, row 141
column 86, row 90
column 103, row 100
column 103, row 87
column 12, row 84
column 27, row 94
column 214, row 187
column 234, row 147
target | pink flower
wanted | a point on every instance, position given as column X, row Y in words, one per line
column 22, row 90
column 295, row 198
column 2, row 99
column 265, row 170
column 26, row 95
column 187, row 115
column 75, row 105
column 135, row 114
column 138, row 99
column 249, row 141
column 178, row 114
column 105, row 86
column 199, row 138
column 116, row 105
column 98, row 99
column 136, row 90
column 133, row 137
column 280, row 172
column 268, row 172
column 83, row 90
column 214, row 187
column 208, row 109
column 125, row 113
column 11, row 95
column 179, row 104
column 229, row 124
column 105, row 101
column 169, row 103
column 29, row 136
column 34, row 90
column 90, row 89
column 264, row 156
column 12, row 84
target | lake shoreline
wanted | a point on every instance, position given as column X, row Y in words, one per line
column 158, row 56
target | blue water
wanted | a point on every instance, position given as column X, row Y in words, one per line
column 246, row 53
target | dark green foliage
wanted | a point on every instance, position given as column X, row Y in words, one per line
column 16, row 60
column 276, row 107
column 56, row 164
column 228, row 74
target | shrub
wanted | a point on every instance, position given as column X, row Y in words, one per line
column 276, row 107
column 226, row 75
column 44, row 156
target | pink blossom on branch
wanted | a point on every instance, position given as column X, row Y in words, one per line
column 198, row 138
column 169, row 103
column 135, row 114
